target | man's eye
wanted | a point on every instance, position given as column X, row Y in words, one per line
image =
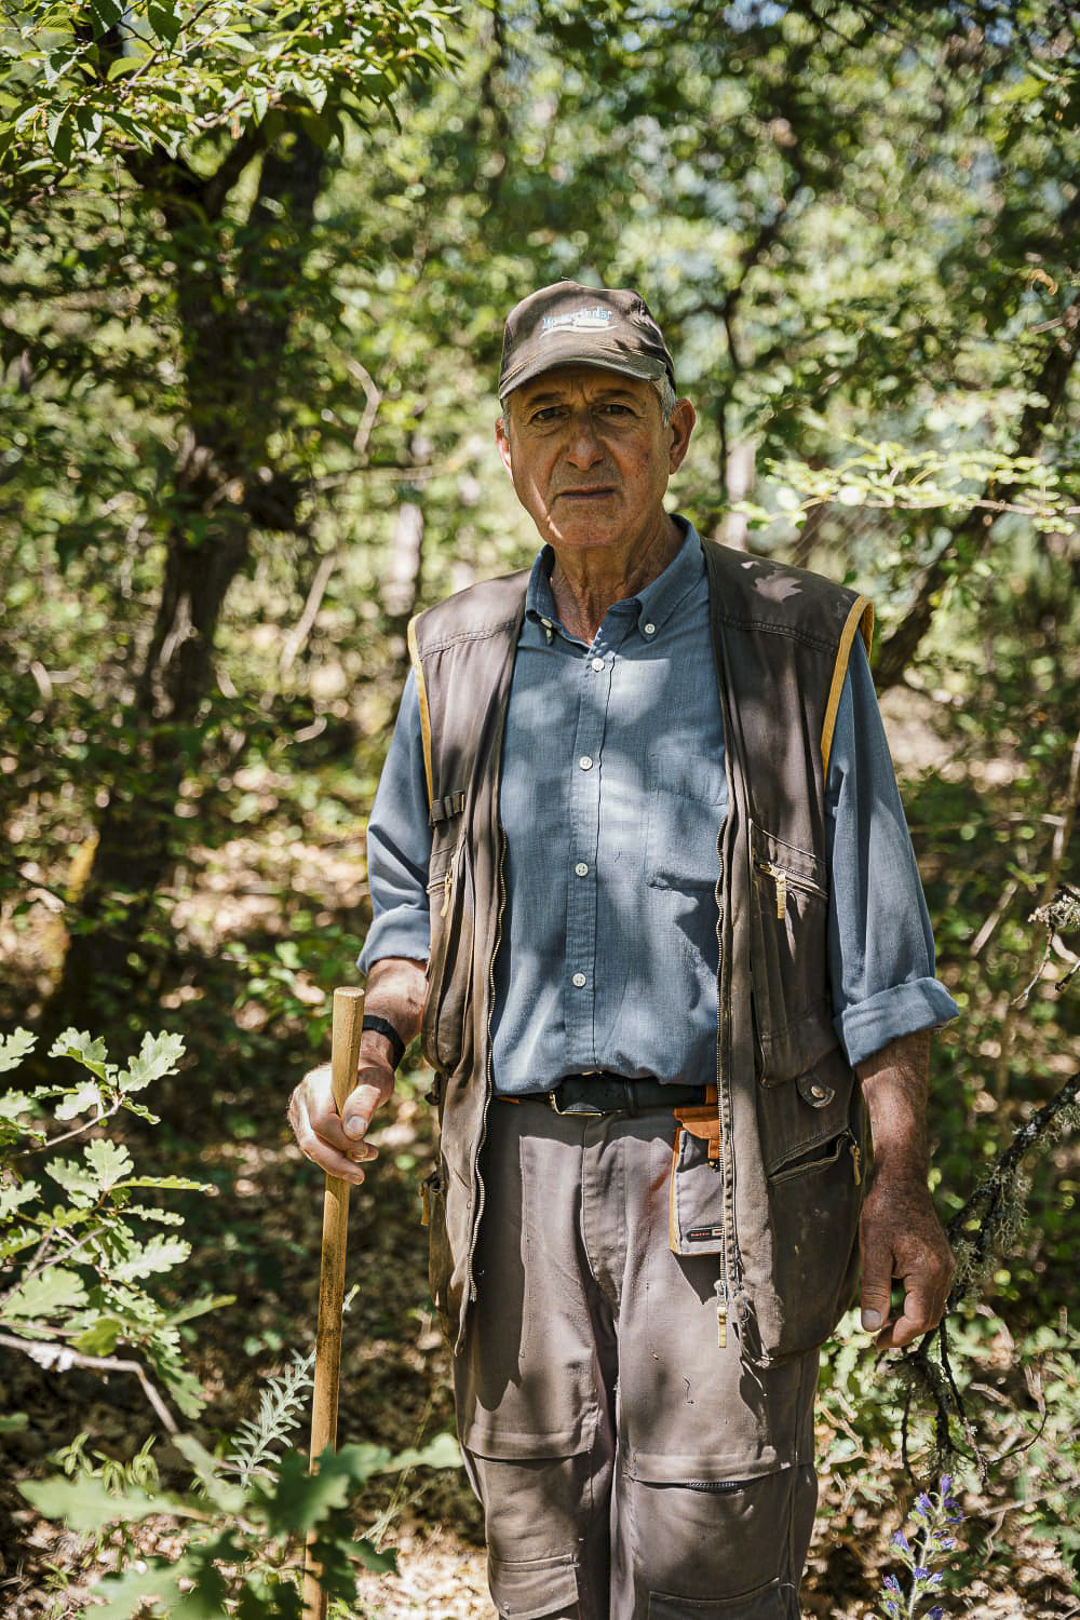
column 548, row 413
column 613, row 408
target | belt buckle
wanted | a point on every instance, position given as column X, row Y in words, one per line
column 553, row 1101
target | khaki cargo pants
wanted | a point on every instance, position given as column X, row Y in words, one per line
column 628, row 1466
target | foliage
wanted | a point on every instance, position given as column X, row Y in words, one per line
column 83, row 83
column 238, row 1528
column 79, row 1275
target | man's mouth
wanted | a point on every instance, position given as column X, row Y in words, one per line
column 585, row 494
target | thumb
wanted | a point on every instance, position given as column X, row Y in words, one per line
column 360, row 1105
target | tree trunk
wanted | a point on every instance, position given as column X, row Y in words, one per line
column 233, row 341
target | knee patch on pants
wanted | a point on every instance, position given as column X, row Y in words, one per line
column 533, row 1589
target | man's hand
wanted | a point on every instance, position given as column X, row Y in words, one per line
column 395, row 991
column 900, row 1235
column 332, row 1141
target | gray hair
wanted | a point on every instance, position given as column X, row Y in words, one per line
column 663, row 386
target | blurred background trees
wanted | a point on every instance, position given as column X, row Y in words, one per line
column 256, row 264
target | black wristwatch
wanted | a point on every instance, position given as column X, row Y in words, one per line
column 382, row 1026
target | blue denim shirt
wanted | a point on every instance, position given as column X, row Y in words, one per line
column 612, row 795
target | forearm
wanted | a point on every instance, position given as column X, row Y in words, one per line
column 395, row 991
column 895, row 1083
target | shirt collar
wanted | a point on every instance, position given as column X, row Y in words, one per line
column 654, row 604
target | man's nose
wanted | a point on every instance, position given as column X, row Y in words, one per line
column 583, row 445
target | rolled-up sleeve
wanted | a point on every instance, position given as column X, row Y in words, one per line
column 399, row 846
column 881, row 949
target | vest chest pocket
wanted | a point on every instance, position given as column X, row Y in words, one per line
column 789, row 905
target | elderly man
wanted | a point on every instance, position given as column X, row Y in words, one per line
column 642, row 881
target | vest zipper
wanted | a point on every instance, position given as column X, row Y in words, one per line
column 729, row 1253
column 489, row 1080
column 784, row 879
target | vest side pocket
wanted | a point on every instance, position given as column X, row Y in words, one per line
column 449, row 971
column 440, row 1262
column 789, row 907
column 812, row 1181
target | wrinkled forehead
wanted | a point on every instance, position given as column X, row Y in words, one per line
column 563, row 383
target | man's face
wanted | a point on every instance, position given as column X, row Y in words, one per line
column 590, row 458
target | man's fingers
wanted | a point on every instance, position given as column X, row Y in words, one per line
column 337, row 1145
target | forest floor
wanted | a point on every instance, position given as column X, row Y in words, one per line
column 258, row 1239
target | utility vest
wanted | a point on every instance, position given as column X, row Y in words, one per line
column 788, row 1127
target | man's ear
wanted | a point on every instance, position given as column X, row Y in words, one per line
column 503, row 443
column 682, row 422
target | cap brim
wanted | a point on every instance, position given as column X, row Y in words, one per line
column 575, row 354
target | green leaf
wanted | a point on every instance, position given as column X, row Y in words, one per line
column 12, row 1421
column 11, row 1197
column 82, row 1101
column 226, row 1496
column 74, row 1043
column 129, row 1593
column 442, row 1452
column 300, row 1500
column 381, row 1563
column 145, row 1259
column 106, row 14
column 163, row 20
column 54, row 1290
column 86, row 1506
column 77, row 1180
column 157, row 1057
column 109, row 1161
column 101, row 1339
column 13, row 1104
column 13, row 1048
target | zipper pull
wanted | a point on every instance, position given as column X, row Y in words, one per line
column 448, row 883
column 780, row 878
column 721, row 1318
column 856, row 1163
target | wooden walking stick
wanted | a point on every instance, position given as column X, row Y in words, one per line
column 344, row 1057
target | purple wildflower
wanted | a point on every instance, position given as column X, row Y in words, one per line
column 892, row 1584
column 900, row 1540
column 936, row 1614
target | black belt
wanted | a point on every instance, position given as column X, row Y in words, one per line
column 602, row 1093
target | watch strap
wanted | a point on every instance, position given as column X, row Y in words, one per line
column 383, row 1026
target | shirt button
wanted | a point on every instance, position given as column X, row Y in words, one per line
column 598, row 664
column 579, row 981
column 650, row 629
column 581, row 869
column 585, row 762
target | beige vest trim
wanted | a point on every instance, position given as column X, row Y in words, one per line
column 425, row 714
column 861, row 617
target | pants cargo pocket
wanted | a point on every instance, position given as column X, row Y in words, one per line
column 695, row 1193
column 535, row 1588
column 770, row 1602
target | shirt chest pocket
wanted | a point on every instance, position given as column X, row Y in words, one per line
column 687, row 807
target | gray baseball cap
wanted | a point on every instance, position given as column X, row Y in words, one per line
column 568, row 324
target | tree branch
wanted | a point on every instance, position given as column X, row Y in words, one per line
column 59, row 1358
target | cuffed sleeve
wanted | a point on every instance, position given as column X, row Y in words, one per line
column 881, row 949
column 399, row 846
